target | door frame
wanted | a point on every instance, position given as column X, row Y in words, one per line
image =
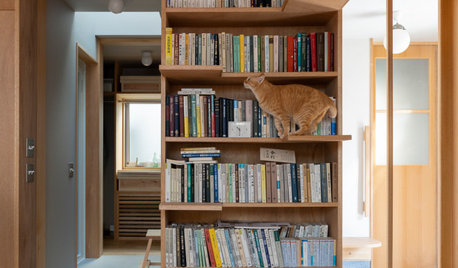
column 92, row 174
column 434, row 107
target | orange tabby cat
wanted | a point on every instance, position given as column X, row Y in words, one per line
column 305, row 105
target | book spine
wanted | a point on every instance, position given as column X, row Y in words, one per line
column 326, row 49
column 167, row 116
column 313, row 51
column 320, row 51
column 290, row 54
column 271, row 53
column 242, row 53
column 169, row 47
column 176, row 110
column 331, row 57
column 324, row 187
column 181, row 115
column 217, row 117
column 295, row 54
column 299, row 49
column 263, row 184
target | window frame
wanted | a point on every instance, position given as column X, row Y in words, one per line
column 129, row 99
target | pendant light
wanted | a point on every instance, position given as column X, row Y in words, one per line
column 147, row 58
column 116, row 6
column 401, row 37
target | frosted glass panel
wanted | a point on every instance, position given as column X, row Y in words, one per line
column 410, row 139
column 145, row 132
column 410, row 84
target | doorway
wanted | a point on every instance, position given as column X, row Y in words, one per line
column 415, row 164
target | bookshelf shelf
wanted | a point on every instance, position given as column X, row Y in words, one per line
column 221, row 206
column 304, row 16
column 298, row 139
column 215, row 75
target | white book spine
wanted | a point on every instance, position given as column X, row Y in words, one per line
column 233, row 184
column 209, row 58
column 269, row 248
column 255, row 54
column 204, row 49
column 167, row 182
column 245, row 247
column 250, row 184
column 185, row 183
column 261, row 245
column 302, row 183
column 248, row 53
column 317, row 182
column 174, row 248
column 275, row 53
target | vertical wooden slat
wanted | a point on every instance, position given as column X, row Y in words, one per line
column 389, row 86
column 448, row 34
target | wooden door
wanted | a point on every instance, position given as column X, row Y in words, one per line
column 415, row 163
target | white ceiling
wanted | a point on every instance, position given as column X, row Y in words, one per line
column 130, row 53
column 366, row 19
column 102, row 5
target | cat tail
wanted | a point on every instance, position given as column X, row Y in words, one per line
column 332, row 112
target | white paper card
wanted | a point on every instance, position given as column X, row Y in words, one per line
column 277, row 155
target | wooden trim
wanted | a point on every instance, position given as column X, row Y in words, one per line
column 94, row 157
column 41, row 137
column 389, row 89
column 448, row 33
column 131, row 40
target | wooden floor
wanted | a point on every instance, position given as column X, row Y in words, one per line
column 121, row 247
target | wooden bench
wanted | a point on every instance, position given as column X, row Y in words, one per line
column 359, row 248
column 150, row 235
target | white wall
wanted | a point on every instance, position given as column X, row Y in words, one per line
column 356, row 114
column 88, row 25
column 64, row 29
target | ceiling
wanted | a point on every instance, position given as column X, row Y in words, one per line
column 366, row 19
column 102, row 5
column 130, row 52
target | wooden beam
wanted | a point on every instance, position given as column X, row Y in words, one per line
column 389, row 153
column 448, row 41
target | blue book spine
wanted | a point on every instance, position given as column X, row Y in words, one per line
column 333, row 126
column 196, row 240
column 255, row 119
column 284, row 253
column 299, row 49
column 215, row 177
column 201, row 155
column 176, row 111
column 188, row 176
column 308, row 58
column 266, row 248
column 224, row 111
column 293, row 182
column 193, row 115
column 229, row 247
column 258, row 248
column 324, row 183
column 259, row 120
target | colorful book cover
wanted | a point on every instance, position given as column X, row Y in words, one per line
column 263, row 183
column 324, row 183
column 242, row 53
column 216, row 182
column 294, row 182
column 299, row 50
column 197, row 120
column 169, row 43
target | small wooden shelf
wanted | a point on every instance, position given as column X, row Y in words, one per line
column 214, row 74
column 221, row 206
column 292, row 139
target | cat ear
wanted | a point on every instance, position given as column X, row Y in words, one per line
column 260, row 78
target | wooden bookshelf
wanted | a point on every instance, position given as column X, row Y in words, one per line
column 294, row 16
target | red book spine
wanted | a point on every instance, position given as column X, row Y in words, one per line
column 313, row 50
column 295, row 54
column 290, row 54
column 176, row 47
column 172, row 117
column 213, row 116
column 209, row 248
column 329, row 52
column 181, row 116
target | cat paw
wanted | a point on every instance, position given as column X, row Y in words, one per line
column 283, row 136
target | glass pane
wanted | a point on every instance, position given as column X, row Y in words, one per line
column 410, row 139
column 145, row 134
column 410, row 81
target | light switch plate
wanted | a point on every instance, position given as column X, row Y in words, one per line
column 30, row 148
column 29, row 172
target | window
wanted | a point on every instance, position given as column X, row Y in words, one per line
column 142, row 134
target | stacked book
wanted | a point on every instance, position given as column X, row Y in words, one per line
column 196, row 112
column 223, row 3
column 200, row 155
column 249, row 245
column 303, row 52
column 202, row 182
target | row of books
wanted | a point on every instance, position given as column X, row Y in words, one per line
column 303, row 52
column 223, row 3
column 203, row 115
column 213, row 182
column 264, row 245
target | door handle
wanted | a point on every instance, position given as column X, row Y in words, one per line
column 71, row 170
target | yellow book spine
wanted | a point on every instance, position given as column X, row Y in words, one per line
column 271, row 54
column 186, row 50
column 198, row 115
column 263, row 183
column 242, row 53
column 186, row 116
column 168, row 45
column 214, row 243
